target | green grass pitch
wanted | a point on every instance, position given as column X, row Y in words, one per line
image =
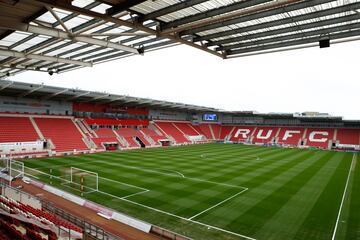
column 219, row 191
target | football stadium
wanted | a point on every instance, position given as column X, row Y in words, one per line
column 86, row 164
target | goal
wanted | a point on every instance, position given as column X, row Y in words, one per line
column 11, row 169
column 4, row 164
column 82, row 180
column 16, row 169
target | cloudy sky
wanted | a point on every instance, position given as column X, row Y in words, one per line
column 313, row 79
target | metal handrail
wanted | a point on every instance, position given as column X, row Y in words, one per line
column 89, row 228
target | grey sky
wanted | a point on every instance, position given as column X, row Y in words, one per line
column 313, row 79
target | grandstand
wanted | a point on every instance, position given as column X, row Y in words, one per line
column 68, row 131
column 83, row 164
column 85, row 125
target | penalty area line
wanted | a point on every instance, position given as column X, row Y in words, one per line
column 218, row 204
column 144, row 190
column 138, row 193
column 152, row 170
column 126, row 184
column 179, row 217
column 164, row 212
column 69, row 165
column 164, row 169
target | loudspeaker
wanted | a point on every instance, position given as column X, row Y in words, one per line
column 324, row 43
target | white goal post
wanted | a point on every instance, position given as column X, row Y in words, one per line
column 4, row 164
column 11, row 169
column 86, row 180
column 16, row 169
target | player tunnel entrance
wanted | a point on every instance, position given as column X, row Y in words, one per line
column 111, row 146
column 142, row 144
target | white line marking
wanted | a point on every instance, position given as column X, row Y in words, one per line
column 32, row 176
column 152, row 171
column 64, row 165
column 169, row 170
column 146, row 169
column 118, row 164
column 193, row 179
column 130, row 195
column 67, row 181
column 216, row 183
column 126, row 184
column 229, row 198
column 183, row 176
column 107, row 179
column 343, row 197
column 167, row 213
column 176, row 216
column 172, row 175
column 250, row 156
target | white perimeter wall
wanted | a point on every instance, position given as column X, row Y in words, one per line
column 23, row 198
column 21, row 147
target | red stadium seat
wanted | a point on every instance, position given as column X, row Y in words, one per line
column 225, row 131
column 171, row 130
column 348, row 136
column 291, row 136
column 319, row 137
column 20, row 130
column 130, row 134
column 153, row 135
column 242, row 133
column 62, row 132
column 186, row 129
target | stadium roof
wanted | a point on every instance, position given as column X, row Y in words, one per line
column 58, row 36
column 43, row 92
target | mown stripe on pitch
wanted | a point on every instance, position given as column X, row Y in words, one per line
column 259, row 214
column 158, row 201
column 320, row 221
column 295, row 211
column 341, row 225
column 251, row 166
column 189, row 189
column 254, row 195
column 353, row 220
column 148, row 157
column 127, row 156
column 225, row 206
column 274, row 172
column 273, row 169
column 193, row 156
column 75, row 161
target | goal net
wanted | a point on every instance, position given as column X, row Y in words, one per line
column 82, row 180
column 14, row 169
column 4, row 164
